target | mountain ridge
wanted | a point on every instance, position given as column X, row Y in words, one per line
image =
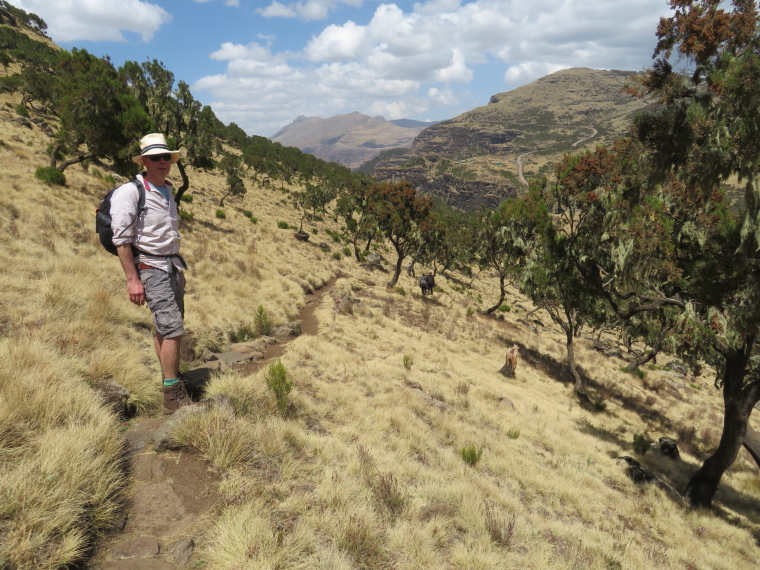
column 350, row 139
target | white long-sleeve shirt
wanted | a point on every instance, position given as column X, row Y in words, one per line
column 155, row 232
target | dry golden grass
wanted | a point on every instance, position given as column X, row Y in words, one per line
column 364, row 469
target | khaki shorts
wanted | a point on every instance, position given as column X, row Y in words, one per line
column 165, row 294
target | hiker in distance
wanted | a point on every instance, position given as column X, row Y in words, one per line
column 147, row 243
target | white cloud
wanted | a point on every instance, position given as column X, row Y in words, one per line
column 226, row 2
column 436, row 6
column 97, row 20
column 400, row 63
column 308, row 11
column 277, row 10
column 235, row 3
column 530, row 71
column 337, row 43
column 442, row 97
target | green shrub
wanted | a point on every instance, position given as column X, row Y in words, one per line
column 110, row 180
column 220, row 214
column 401, row 291
column 471, row 455
column 640, row 443
column 277, row 379
column 283, row 225
column 638, row 372
column 22, row 110
column 50, row 175
column 254, row 220
column 187, row 216
column 513, row 433
column 315, row 231
column 243, row 333
column 337, row 255
column 408, row 361
column 505, row 308
column 188, row 198
column 97, row 173
column 295, row 329
column 334, row 235
column 347, row 251
column 261, row 321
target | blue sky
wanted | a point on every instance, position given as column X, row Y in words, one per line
column 262, row 63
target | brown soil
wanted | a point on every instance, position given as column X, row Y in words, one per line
column 173, row 494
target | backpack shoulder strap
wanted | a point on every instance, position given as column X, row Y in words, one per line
column 140, row 196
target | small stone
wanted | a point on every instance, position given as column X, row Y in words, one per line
column 181, row 551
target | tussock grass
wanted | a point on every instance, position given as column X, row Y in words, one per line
column 60, row 466
column 222, row 439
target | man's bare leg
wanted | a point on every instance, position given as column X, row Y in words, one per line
column 167, row 351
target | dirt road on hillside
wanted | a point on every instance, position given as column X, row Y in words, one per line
column 520, row 175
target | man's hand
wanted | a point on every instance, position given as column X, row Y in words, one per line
column 136, row 291
column 134, row 285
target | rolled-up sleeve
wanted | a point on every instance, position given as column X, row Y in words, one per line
column 123, row 213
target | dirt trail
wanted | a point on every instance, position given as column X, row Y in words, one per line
column 520, row 158
column 520, row 176
column 591, row 136
column 172, row 494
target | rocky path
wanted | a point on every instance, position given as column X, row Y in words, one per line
column 173, row 494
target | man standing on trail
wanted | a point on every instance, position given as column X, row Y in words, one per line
column 148, row 244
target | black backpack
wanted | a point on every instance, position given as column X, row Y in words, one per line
column 103, row 216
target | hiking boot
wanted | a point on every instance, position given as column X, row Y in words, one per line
column 176, row 397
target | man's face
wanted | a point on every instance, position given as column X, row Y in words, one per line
column 160, row 167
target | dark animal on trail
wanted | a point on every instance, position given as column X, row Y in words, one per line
column 427, row 282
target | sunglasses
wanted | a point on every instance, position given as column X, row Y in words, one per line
column 157, row 157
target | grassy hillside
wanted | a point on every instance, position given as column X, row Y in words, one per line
column 367, row 468
column 472, row 159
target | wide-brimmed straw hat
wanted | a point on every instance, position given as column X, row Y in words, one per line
column 154, row 143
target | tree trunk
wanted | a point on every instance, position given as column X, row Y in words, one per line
column 69, row 162
column 397, row 271
column 641, row 361
column 752, row 443
column 502, row 294
column 54, row 155
column 579, row 385
column 185, row 182
column 738, row 404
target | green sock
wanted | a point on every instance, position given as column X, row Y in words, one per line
column 170, row 381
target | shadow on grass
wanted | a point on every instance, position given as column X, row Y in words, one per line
column 210, row 226
column 736, row 507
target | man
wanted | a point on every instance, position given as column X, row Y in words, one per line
column 148, row 245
